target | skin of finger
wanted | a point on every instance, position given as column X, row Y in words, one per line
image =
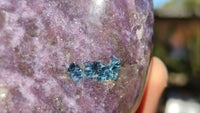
column 156, row 83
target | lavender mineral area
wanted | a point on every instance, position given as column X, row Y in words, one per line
column 40, row 38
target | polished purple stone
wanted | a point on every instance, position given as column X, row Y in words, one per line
column 40, row 38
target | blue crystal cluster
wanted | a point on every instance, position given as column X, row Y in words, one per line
column 75, row 72
column 95, row 70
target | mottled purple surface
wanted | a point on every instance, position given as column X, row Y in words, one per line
column 37, row 37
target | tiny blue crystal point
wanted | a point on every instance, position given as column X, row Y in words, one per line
column 105, row 72
column 115, row 67
column 75, row 72
column 88, row 71
column 97, row 67
column 92, row 70
column 111, row 71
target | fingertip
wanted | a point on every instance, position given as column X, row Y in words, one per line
column 156, row 83
column 159, row 74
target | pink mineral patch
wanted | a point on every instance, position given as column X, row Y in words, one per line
column 39, row 37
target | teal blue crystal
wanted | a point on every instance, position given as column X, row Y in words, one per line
column 95, row 70
column 75, row 72
column 102, row 72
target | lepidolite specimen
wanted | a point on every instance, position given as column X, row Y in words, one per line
column 56, row 55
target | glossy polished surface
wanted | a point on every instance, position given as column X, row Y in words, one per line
column 45, row 44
